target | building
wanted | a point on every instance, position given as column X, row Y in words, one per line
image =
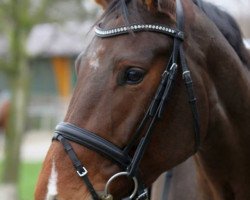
column 52, row 49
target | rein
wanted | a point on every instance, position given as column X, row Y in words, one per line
column 130, row 166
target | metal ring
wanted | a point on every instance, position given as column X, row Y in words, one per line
column 106, row 190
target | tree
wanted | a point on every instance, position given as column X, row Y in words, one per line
column 17, row 19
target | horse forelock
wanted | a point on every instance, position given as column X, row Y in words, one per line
column 132, row 11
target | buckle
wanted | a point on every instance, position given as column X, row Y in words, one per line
column 143, row 196
column 174, row 65
column 83, row 173
column 185, row 72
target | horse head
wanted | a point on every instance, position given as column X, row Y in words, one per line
column 134, row 107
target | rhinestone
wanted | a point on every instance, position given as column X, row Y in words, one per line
column 142, row 26
column 157, row 27
column 153, row 26
column 149, row 26
column 139, row 26
column 146, row 26
column 125, row 28
column 135, row 27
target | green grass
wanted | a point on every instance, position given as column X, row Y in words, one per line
column 28, row 178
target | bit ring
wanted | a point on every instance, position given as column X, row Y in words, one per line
column 106, row 190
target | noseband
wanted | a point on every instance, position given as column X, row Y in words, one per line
column 128, row 165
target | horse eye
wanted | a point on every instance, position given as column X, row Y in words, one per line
column 134, row 76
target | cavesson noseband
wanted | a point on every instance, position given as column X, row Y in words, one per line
column 128, row 165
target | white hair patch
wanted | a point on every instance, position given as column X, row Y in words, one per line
column 52, row 184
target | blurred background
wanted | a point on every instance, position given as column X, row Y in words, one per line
column 39, row 41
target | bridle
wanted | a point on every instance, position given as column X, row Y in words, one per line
column 130, row 166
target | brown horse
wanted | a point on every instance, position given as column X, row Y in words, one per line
column 117, row 80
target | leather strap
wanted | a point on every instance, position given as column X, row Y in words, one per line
column 188, row 79
column 80, row 169
column 93, row 142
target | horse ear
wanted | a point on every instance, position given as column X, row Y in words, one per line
column 103, row 3
column 163, row 6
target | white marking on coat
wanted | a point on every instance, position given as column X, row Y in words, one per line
column 94, row 60
column 52, row 184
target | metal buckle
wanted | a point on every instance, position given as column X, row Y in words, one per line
column 174, row 65
column 184, row 73
column 83, row 173
column 143, row 196
column 164, row 73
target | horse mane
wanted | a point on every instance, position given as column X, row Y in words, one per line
column 228, row 27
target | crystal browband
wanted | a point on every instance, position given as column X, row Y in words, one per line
column 138, row 28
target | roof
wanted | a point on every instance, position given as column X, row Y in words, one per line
column 49, row 40
column 56, row 40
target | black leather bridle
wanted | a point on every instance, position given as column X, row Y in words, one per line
column 130, row 165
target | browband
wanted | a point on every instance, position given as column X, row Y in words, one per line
column 93, row 142
column 104, row 33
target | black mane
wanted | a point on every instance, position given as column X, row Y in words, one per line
column 228, row 27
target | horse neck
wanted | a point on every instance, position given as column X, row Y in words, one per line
column 223, row 159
